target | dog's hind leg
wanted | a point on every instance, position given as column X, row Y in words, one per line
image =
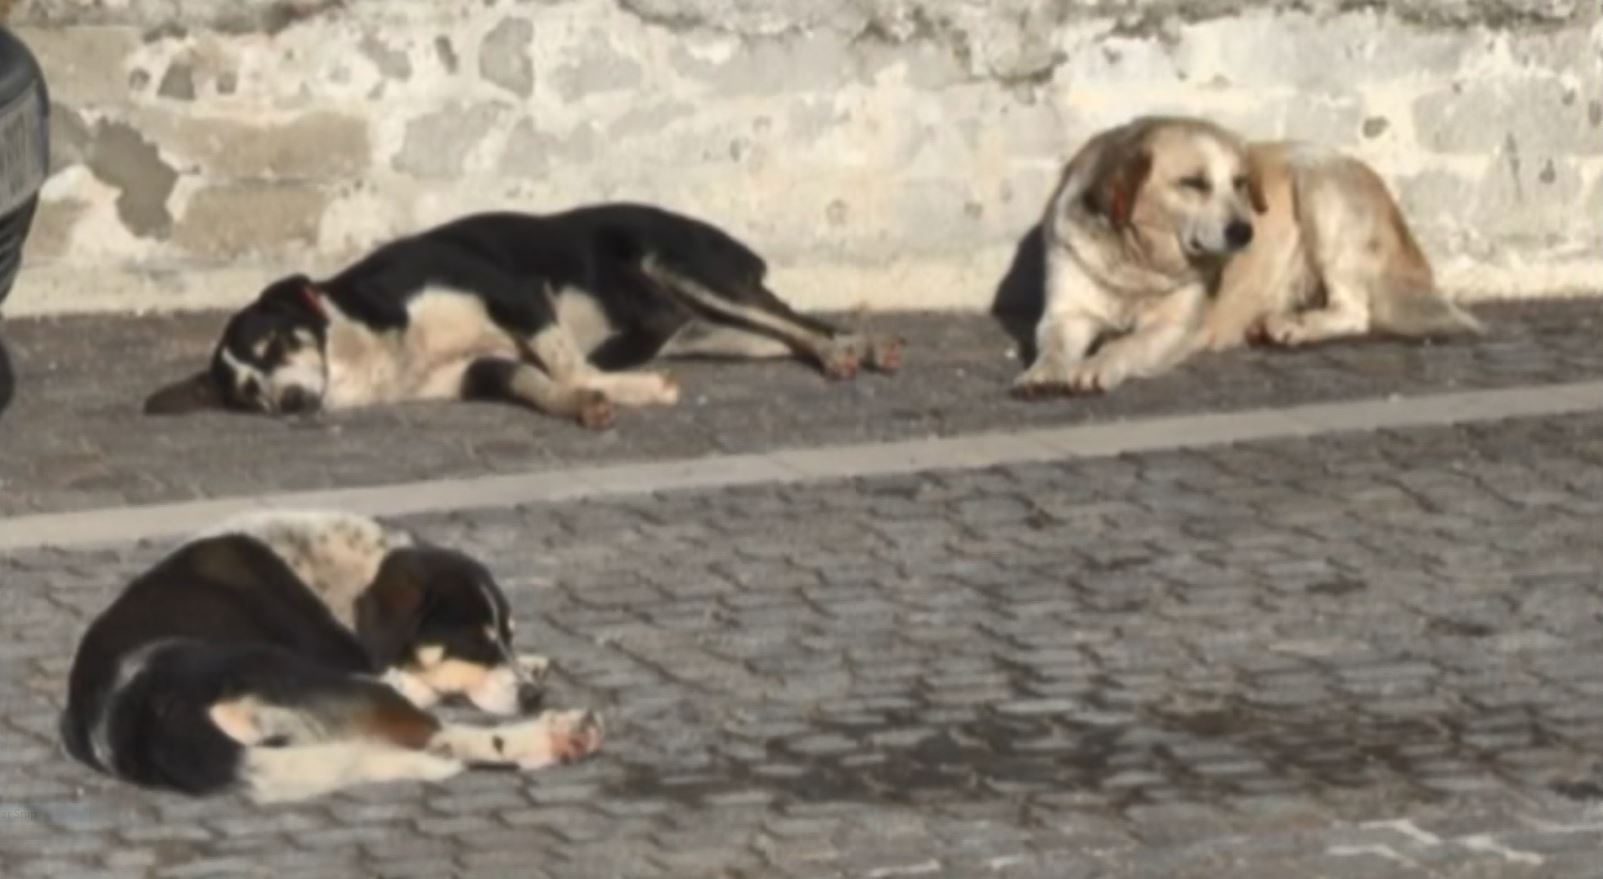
column 503, row 380
column 1345, row 314
column 701, row 338
column 758, row 310
column 278, row 774
column 554, row 346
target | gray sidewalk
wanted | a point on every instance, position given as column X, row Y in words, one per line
column 74, row 438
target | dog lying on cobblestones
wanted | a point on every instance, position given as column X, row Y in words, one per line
column 292, row 654
column 1170, row 235
column 545, row 311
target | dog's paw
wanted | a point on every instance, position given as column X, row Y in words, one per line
column 1044, row 381
column 595, row 411
column 1094, row 376
column 841, row 358
column 535, row 668
column 575, row 735
column 669, row 395
column 1041, row 382
column 1279, row 330
column 885, row 353
column 553, row 737
column 1215, row 339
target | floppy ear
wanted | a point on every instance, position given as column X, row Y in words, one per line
column 390, row 612
column 192, row 394
column 1115, row 190
column 1260, row 204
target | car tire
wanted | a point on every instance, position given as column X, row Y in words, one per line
column 22, row 93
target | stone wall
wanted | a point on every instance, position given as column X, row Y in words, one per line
column 888, row 153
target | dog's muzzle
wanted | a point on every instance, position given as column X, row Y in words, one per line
column 296, row 401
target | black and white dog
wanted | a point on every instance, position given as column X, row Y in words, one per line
column 544, row 311
column 290, row 654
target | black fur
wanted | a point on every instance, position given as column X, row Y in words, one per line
column 218, row 616
column 510, row 262
column 224, row 617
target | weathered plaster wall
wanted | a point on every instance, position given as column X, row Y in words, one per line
column 880, row 152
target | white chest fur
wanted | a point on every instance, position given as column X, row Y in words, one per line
column 581, row 316
column 445, row 333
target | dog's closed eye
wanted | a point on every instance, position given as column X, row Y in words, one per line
column 1197, row 183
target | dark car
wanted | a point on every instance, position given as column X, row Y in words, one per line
column 24, row 160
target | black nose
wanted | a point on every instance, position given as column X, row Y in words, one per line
column 531, row 697
column 1238, row 234
column 294, row 400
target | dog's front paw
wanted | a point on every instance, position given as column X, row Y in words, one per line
column 885, row 353
column 1042, row 381
column 534, row 667
column 841, row 358
column 1095, row 376
column 595, row 411
column 553, row 737
column 575, row 735
column 1280, row 330
column 669, row 394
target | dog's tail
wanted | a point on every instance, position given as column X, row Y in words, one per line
column 1422, row 313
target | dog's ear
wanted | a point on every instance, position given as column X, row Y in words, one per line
column 192, row 394
column 294, row 293
column 390, row 612
column 1260, row 203
column 1122, row 175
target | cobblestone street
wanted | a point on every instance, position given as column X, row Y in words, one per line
column 1363, row 654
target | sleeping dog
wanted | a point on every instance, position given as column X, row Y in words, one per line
column 545, row 311
column 1170, row 234
column 287, row 655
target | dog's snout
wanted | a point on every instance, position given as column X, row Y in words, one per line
column 530, row 697
column 295, row 400
column 1238, row 234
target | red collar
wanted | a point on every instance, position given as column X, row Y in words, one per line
column 311, row 297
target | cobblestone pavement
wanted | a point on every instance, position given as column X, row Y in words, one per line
column 1348, row 656
column 74, row 439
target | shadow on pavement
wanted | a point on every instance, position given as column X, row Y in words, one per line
column 8, row 382
column 1122, row 759
column 1021, row 294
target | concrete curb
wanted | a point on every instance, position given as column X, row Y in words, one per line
column 129, row 524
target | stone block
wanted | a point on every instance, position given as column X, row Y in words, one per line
column 527, row 151
column 84, row 65
column 318, row 145
column 392, row 63
column 250, row 219
column 1542, row 116
column 504, row 56
column 121, row 156
column 178, row 83
column 1525, row 199
column 51, row 236
column 600, row 67
column 811, row 62
column 437, row 143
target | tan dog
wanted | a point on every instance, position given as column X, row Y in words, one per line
column 1153, row 218
column 1136, row 237
column 1332, row 258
